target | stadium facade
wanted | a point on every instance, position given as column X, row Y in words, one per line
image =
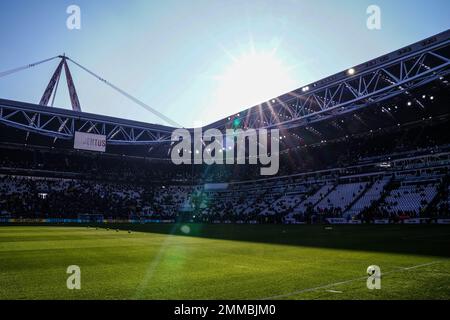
column 368, row 144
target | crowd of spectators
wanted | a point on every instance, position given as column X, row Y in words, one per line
column 47, row 182
column 332, row 154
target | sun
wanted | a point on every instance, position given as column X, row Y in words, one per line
column 251, row 79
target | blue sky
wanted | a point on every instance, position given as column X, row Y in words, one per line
column 200, row 60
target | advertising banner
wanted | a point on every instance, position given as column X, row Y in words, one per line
column 89, row 141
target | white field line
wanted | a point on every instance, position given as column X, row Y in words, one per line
column 326, row 286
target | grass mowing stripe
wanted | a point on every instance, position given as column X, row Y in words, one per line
column 345, row 282
column 222, row 261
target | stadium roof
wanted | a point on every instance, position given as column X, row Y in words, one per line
column 389, row 75
column 396, row 74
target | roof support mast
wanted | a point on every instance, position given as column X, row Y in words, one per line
column 52, row 86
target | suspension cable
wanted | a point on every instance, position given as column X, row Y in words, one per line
column 129, row 96
column 8, row 72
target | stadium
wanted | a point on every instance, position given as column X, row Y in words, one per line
column 363, row 181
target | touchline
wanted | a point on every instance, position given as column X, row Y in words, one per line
column 215, row 147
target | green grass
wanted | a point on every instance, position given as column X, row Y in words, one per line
column 225, row 262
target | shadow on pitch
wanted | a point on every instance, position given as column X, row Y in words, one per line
column 432, row 240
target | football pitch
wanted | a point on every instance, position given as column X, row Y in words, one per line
column 195, row 261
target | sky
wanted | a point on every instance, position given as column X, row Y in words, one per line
column 198, row 61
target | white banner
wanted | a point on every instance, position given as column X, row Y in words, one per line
column 336, row 220
column 381, row 221
column 215, row 186
column 443, row 221
column 89, row 141
column 412, row 221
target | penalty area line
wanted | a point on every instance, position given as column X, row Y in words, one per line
column 326, row 286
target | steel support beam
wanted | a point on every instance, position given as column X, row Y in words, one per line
column 62, row 125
